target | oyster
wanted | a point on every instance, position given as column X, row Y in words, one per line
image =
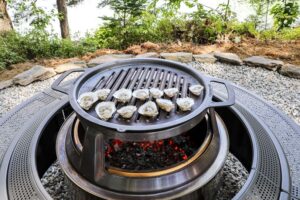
column 141, row 94
column 105, row 110
column 196, row 89
column 165, row 104
column 156, row 93
column 102, row 94
column 185, row 104
column 171, row 92
column 148, row 109
column 127, row 111
column 86, row 100
column 123, row 95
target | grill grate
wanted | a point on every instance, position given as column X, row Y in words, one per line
column 144, row 76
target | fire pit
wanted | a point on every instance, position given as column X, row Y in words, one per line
column 144, row 157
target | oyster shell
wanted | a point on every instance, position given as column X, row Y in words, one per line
column 141, row 94
column 185, row 104
column 148, row 109
column 102, row 94
column 87, row 99
column 165, row 104
column 123, row 95
column 105, row 110
column 196, row 89
column 127, row 111
column 171, row 92
column 156, row 93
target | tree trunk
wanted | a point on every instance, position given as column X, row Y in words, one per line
column 5, row 21
column 63, row 18
column 226, row 11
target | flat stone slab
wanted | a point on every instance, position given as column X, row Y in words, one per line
column 289, row 70
column 148, row 55
column 229, row 58
column 6, row 84
column 259, row 61
column 179, row 56
column 35, row 73
column 68, row 66
column 205, row 58
column 108, row 58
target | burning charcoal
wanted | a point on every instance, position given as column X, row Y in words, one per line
column 196, row 89
column 102, row 94
column 148, row 109
column 156, row 93
column 171, row 92
column 105, row 110
column 123, row 95
column 165, row 104
column 86, row 100
column 127, row 111
column 141, row 94
column 185, row 104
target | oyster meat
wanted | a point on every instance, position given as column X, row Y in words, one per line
column 148, row 109
column 196, row 89
column 127, row 111
column 185, row 104
column 141, row 94
column 105, row 110
column 171, row 92
column 87, row 99
column 102, row 94
column 165, row 104
column 156, row 93
column 123, row 95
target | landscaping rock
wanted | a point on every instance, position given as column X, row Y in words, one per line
column 6, row 84
column 68, row 66
column 148, row 55
column 35, row 73
column 290, row 71
column 259, row 61
column 108, row 58
column 179, row 56
column 205, row 58
column 229, row 58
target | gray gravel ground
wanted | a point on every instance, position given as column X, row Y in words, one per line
column 235, row 175
column 281, row 91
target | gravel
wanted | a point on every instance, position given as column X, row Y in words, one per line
column 235, row 175
column 281, row 91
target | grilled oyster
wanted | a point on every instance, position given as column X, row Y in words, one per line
column 185, row 104
column 86, row 100
column 102, row 94
column 196, row 89
column 156, row 93
column 171, row 92
column 123, row 95
column 127, row 111
column 148, row 109
column 141, row 94
column 165, row 104
column 105, row 110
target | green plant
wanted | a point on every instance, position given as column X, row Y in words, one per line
column 284, row 14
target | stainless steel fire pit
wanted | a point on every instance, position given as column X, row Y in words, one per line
column 95, row 154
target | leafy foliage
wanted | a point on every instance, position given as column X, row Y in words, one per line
column 285, row 13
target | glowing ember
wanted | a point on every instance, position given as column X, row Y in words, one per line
column 149, row 155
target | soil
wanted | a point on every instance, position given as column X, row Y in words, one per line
column 287, row 51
